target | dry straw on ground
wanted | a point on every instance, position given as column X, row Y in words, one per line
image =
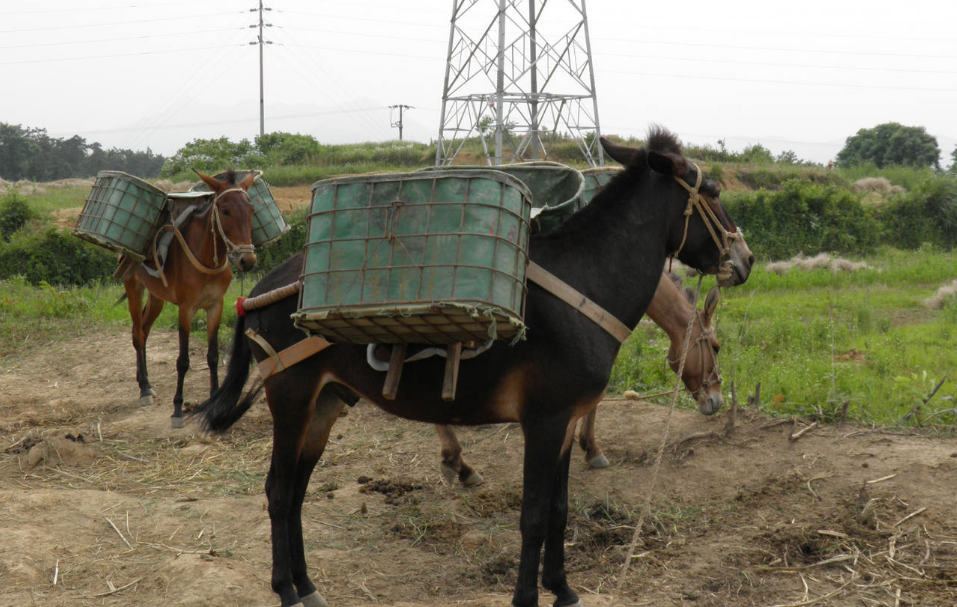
column 822, row 260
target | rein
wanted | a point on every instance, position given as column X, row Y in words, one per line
column 697, row 200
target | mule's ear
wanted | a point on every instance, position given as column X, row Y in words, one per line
column 619, row 153
column 214, row 184
column 667, row 163
column 711, row 303
column 247, row 181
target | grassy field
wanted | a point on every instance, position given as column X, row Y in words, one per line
column 821, row 343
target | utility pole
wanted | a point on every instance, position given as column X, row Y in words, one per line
column 260, row 41
column 399, row 123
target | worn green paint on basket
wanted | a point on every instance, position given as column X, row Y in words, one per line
column 418, row 257
column 268, row 222
column 121, row 213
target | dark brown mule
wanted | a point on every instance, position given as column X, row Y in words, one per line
column 612, row 252
column 671, row 310
column 195, row 276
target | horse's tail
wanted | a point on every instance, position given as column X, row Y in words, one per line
column 227, row 404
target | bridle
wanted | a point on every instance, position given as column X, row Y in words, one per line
column 721, row 236
column 216, row 223
column 703, row 343
column 215, row 227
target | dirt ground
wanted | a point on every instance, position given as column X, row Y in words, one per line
column 102, row 503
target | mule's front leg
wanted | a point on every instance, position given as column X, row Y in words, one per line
column 214, row 316
column 589, row 444
column 554, row 577
column 182, row 366
column 543, row 464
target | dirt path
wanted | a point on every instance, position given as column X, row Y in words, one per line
column 141, row 514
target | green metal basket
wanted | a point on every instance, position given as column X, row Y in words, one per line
column 596, row 179
column 268, row 222
column 121, row 213
column 427, row 257
column 556, row 189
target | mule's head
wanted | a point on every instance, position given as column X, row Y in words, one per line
column 704, row 237
column 232, row 214
column 700, row 375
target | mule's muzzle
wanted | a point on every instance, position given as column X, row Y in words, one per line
column 710, row 404
column 245, row 261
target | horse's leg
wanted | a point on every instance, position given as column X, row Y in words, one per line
column 328, row 409
column 182, row 365
column 544, row 440
column 214, row 316
column 291, row 398
column 453, row 466
column 593, row 455
column 142, row 318
column 554, row 577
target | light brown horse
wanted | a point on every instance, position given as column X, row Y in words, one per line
column 671, row 310
column 195, row 276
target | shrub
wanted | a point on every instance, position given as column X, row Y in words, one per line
column 928, row 213
column 15, row 212
column 54, row 257
column 803, row 217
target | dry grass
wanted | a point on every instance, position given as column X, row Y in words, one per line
column 943, row 294
column 820, row 261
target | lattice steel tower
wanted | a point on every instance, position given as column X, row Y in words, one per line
column 519, row 79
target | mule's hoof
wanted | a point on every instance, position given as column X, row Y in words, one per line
column 474, row 480
column 449, row 473
column 600, row 461
column 177, row 422
column 313, row 600
column 578, row 604
column 147, row 400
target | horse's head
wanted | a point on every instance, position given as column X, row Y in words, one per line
column 700, row 375
column 232, row 214
column 704, row 238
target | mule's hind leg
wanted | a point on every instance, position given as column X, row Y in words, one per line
column 453, row 466
column 300, row 433
column 327, row 409
column 142, row 318
column 593, row 455
column 547, row 446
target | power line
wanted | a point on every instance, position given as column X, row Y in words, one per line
column 204, row 33
column 142, row 53
column 67, row 27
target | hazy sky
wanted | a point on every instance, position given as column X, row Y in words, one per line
column 159, row 73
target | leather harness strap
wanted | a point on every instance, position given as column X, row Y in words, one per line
column 565, row 292
column 296, row 353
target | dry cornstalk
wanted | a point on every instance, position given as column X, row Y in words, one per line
column 796, row 435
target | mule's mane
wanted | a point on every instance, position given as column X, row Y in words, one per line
column 663, row 141
column 230, row 177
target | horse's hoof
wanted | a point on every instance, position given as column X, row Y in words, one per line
column 474, row 480
column 599, row 461
column 147, row 400
column 313, row 600
column 177, row 422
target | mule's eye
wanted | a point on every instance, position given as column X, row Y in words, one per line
column 717, row 349
column 226, row 212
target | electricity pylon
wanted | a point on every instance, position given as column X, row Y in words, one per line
column 519, row 78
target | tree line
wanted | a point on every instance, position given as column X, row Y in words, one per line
column 30, row 153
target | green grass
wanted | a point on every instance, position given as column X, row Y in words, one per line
column 817, row 341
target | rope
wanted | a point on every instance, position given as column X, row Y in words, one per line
column 646, row 507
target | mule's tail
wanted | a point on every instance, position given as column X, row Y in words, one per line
column 227, row 404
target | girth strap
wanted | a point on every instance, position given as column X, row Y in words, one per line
column 565, row 292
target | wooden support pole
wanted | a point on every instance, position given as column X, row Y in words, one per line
column 454, row 356
column 392, row 377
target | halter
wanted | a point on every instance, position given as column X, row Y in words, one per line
column 697, row 200
column 216, row 223
column 703, row 341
